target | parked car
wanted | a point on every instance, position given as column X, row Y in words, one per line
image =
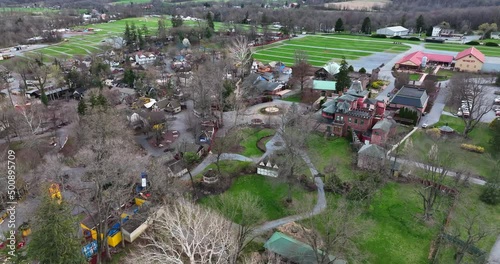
column 497, row 92
column 497, row 100
column 425, row 125
column 497, row 113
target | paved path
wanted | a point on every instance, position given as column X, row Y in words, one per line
column 211, row 158
column 494, row 257
column 386, row 71
column 449, row 173
column 143, row 141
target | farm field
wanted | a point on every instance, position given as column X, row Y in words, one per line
column 487, row 51
column 322, row 49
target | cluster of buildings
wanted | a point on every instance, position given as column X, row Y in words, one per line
column 470, row 60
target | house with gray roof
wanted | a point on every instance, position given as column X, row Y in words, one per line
column 371, row 156
column 410, row 97
column 383, row 130
column 255, row 85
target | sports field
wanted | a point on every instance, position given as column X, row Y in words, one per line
column 322, row 49
column 92, row 41
column 487, row 51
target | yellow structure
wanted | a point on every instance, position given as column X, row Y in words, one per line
column 113, row 240
column 469, row 60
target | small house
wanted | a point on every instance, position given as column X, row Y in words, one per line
column 383, row 130
column 267, row 166
column 371, row 156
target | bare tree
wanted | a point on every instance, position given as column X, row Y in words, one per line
column 185, row 232
column 246, row 210
column 470, row 93
column 301, row 70
column 224, row 143
column 293, row 130
column 435, row 167
column 334, row 233
column 468, row 227
column 241, row 54
column 111, row 167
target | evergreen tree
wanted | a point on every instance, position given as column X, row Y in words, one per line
column 127, row 35
column 403, row 20
column 210, row 20
column 129, row 77
column 176, row 21
column 140, row 39
column 343, row 80
column 339, row 25
column 44, row 98
column 497, row 81
column 82, row 107
column 208, row 32
column 495, row 137
column 54, row 238
column 366, row 27
column 362, row 70
column 351, row 68
column 133, row 33
column 145, row 30
column 428, row 32
column 420, row 24
column 162, row 30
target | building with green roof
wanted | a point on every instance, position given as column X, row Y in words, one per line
column 295, row 251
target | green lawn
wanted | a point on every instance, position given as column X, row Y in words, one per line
column 296, row 98
column 334, row 152
column 321, row 49
column 396, row 235
column 250, row 138
column 445, row 74
column 270, row 191
column 487, row 51
column 415, row 76
column 228, row 167
column 476, row 163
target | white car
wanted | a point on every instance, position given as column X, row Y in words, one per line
column 425, row 125
column 497, row 100
column 459, row 113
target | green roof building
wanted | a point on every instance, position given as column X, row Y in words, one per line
column 295, row 251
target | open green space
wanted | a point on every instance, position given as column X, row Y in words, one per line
column 331, row 153
column 445, row 74
column 270, row 191
column 476, row 163
column 322, row 49
column 487, row 51
column 415, row 76
column 250, row 138
column 227, row 167
column 296, row 98
column 395, row 234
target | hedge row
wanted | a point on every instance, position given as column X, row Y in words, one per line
column 472, row 148
column 378, row 36
column 473, row 43
column 491, row 44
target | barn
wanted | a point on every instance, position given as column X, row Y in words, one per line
column 393, row 31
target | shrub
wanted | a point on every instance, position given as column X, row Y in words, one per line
column 491, row 44
column 473, row 43
column 191, row 158
column 396, row 37
column 434, row 133
column 472, row 148
column 490, row 194
column 414, row 39
column 377, row 84
column 334, row 184
column 378, row 36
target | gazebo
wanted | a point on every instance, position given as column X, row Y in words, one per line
column 446, row 130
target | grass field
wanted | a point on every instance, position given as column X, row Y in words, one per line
column 326, row 153
column 487, row 51
column 321, row 49
column 415, row 76
column 476, row 163
column 271, row 193
column 250, row 138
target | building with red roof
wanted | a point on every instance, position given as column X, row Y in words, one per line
column 415, row 60
column 470, row 60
